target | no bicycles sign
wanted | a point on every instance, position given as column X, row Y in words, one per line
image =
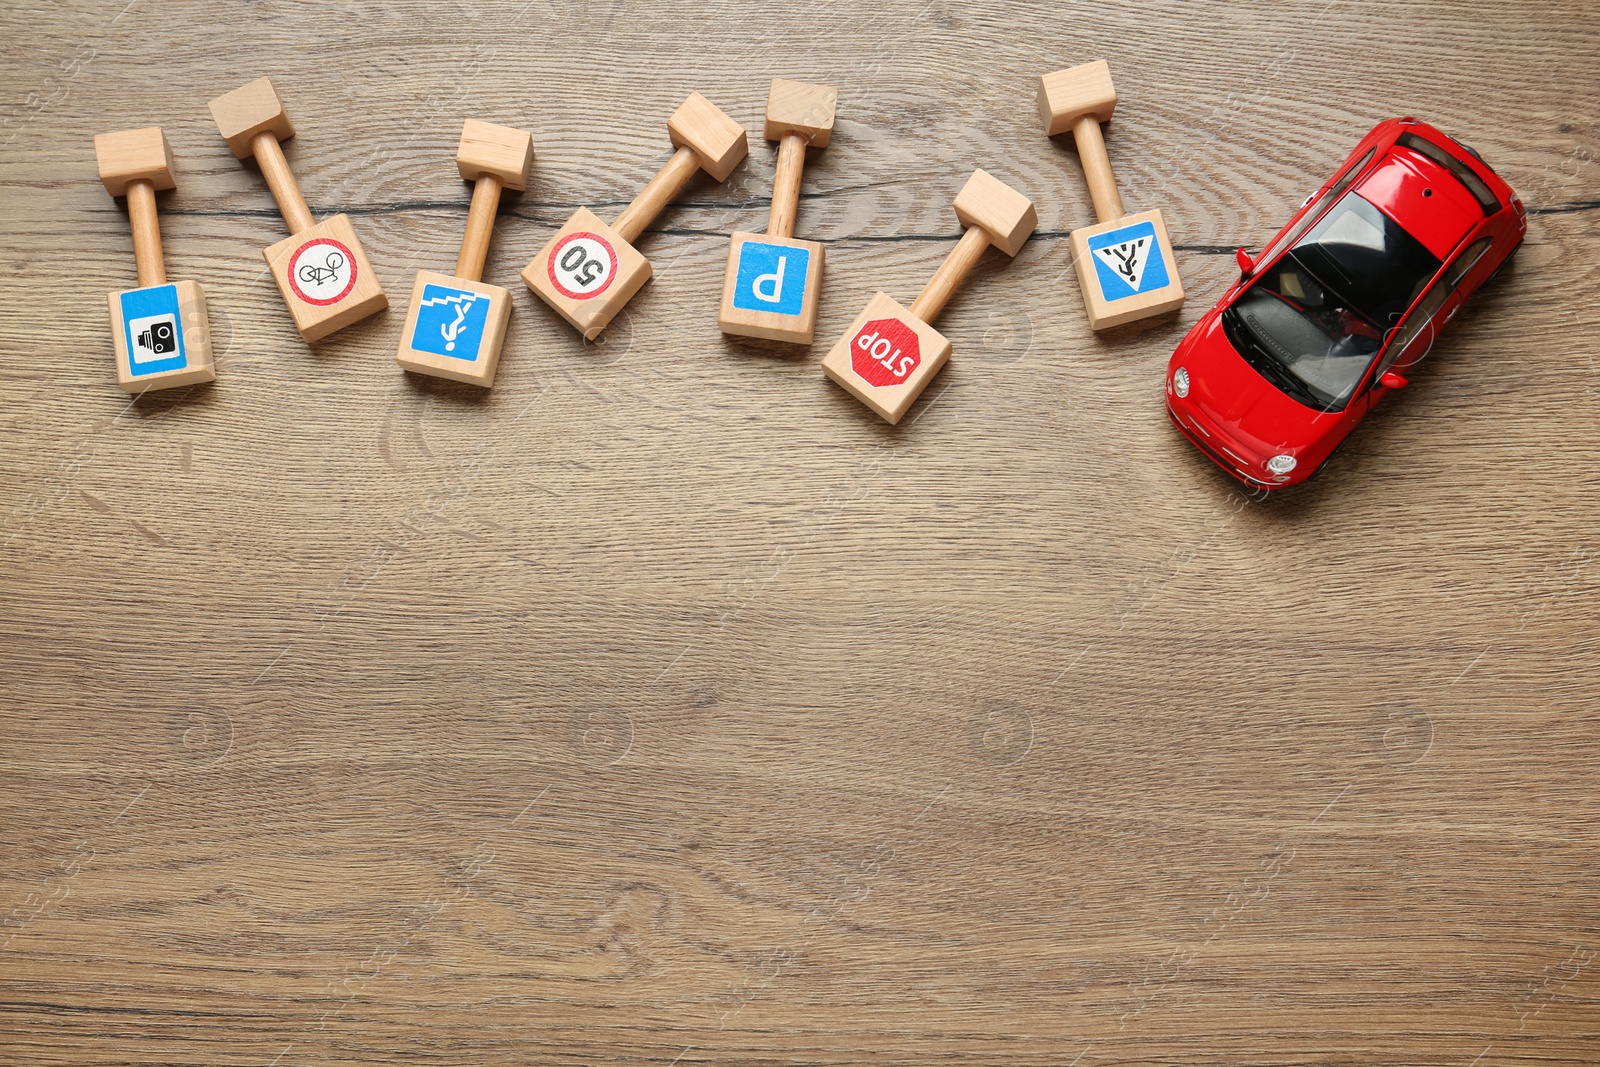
column 322, row 271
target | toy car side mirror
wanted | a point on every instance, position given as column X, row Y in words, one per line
column 1390, row 380
column 1246, row 264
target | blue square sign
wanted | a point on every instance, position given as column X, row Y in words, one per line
column 450, row 322
column 152, row 329
column 1128, row 261
column 771, row 278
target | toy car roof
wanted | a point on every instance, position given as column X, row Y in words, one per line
column 1424, row 198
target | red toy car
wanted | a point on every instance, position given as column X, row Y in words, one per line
column 1345, row 298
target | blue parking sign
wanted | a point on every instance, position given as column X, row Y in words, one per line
column 1128, row 261
column 450, row 322
column 152, row 325
column 771, row 278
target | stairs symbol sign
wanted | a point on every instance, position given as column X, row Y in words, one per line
column 450, row 322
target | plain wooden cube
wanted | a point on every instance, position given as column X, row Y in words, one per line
column 325, row 278
column 162, row 337
column 1008, row 217
column 718, row 141
column 247, row 111
column 455, row 328
column 1067, row 95
column 803, row 108
column 134, row 155
column 772, row 288
column 499, row 150
column 587, row 272
column 1126, row 269
column 887, row 357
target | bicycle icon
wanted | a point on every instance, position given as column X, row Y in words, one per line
column 312, row 274
column 321, row 272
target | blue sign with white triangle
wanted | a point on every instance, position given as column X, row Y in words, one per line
column 1128, row 261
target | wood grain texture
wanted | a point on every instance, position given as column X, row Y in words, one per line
column 661, row 705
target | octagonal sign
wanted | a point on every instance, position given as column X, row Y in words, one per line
column 884, row 352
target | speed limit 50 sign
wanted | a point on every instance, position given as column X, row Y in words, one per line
column 587, row 272
column 582, row 265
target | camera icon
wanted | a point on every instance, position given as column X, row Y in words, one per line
column 155, row 337
column 159, row 339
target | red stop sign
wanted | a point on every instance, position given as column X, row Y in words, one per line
column 885, row 352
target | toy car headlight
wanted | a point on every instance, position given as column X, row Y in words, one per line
column 1180, row 384
column 1281, row 464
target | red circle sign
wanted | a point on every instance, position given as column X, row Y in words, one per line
column 582, row 265
column 322, row 271
column 884, row 352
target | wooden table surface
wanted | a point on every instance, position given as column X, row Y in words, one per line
column 661, row 706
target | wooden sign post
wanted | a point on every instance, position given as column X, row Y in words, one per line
column 589, row 271
column 320, row 269
column 889, row 354
column 1125, row 265
column 773, row 282
column 457, row 323
column 162, row 336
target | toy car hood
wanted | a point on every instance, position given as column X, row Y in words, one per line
column 1251, row 412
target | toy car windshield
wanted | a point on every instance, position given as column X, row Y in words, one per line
column 1312, row 323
